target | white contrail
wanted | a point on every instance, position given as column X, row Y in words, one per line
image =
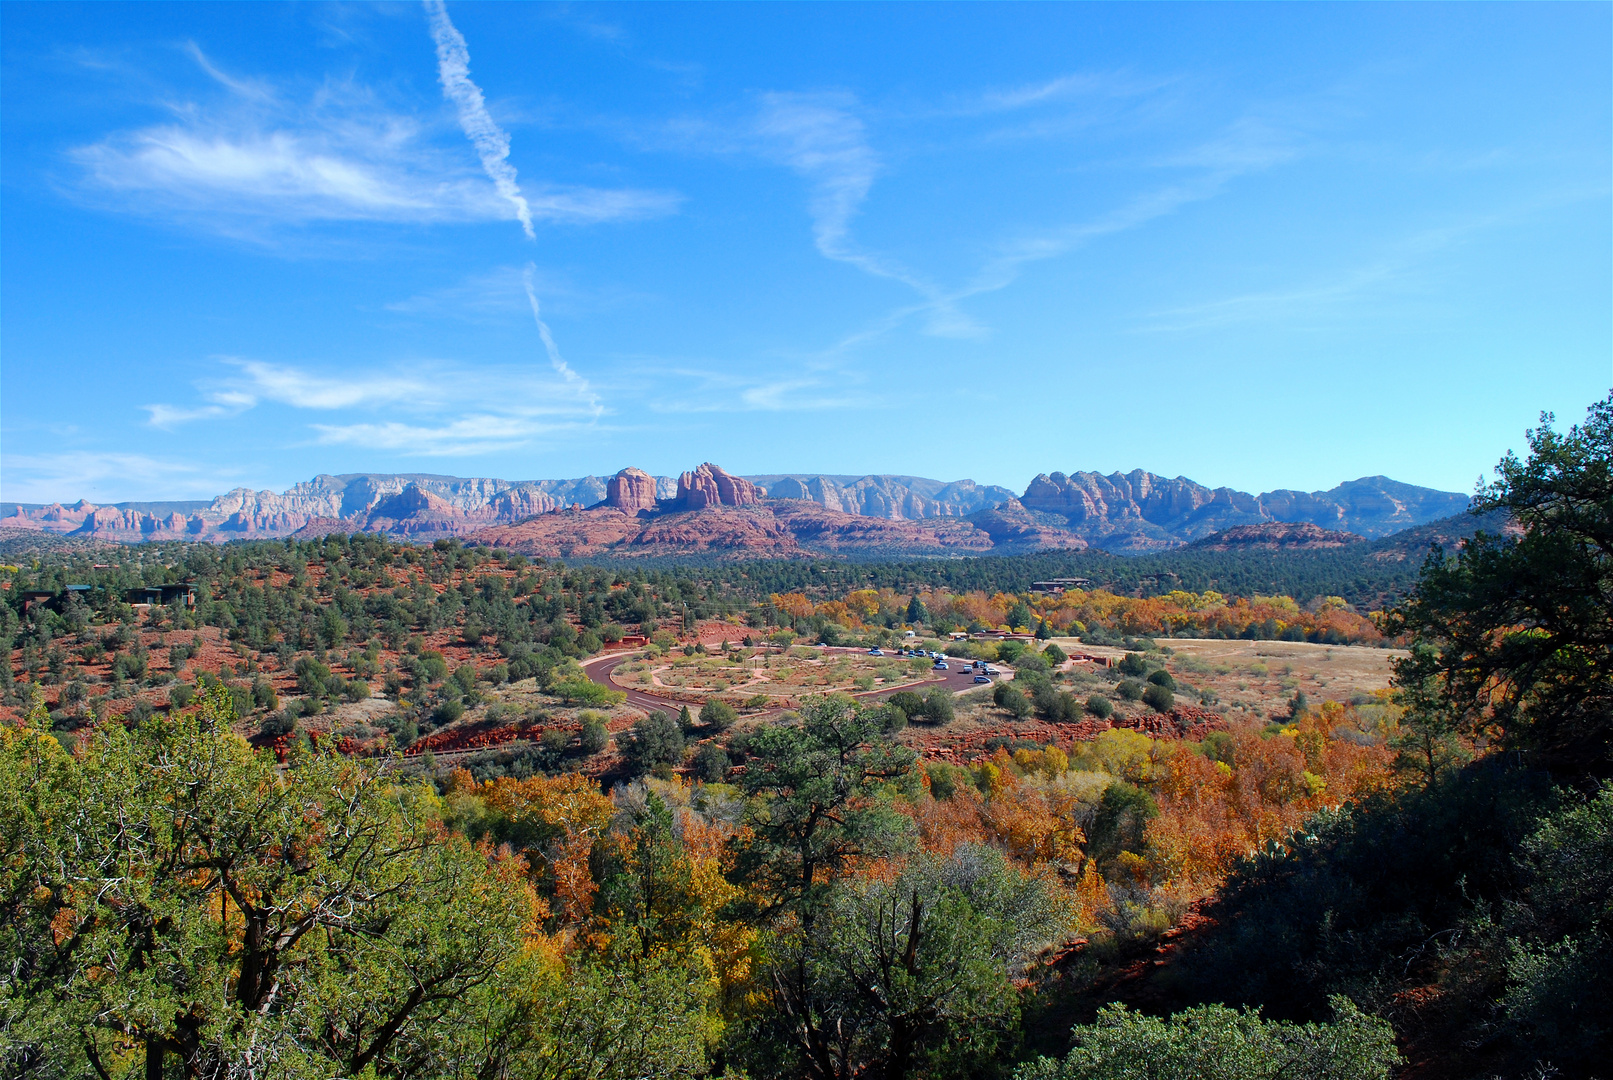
column 556, row 361
column 492, row 144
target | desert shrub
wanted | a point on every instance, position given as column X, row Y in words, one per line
column 938, row 706
column 1100, row 706
column 1130, row 689
column 1132, row 664
column 1158, row 698
column 594, row 736
column 1059, row 706
column 584, row 692
column 1215, row 1041
column 710, row 763
column 447, row 712
column 1006, row 696
column 1558, row 1002
column 1343, row 906
column 717, row 715
column 311, row 676
column 1119, row 826
column 181, row 695
column 263, row 695
column 436, row 668
column 278, row 723
column 1163, row 678
column 654, row 740
column 1031, row 666
column 944, row 779
column 1218, row 746
column 1054, row 655
column 911, row 704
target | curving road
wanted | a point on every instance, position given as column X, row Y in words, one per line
column 958, row 679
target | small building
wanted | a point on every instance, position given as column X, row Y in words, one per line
column 1059, row 584
column 51, row 601
column 162, row 594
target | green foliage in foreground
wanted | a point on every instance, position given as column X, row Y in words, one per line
column 172, row 903
column 1517, row 631
column 1213, row 1042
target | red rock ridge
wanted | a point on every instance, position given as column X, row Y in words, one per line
column 710, row 485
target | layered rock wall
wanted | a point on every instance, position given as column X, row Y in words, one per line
column 710, row 485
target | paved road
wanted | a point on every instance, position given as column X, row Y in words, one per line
column 958, row 679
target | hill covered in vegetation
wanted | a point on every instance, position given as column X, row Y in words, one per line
column 202, row 876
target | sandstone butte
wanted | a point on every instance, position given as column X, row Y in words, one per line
column 717, row 513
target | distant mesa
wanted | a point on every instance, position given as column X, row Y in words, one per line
column 1276, row 536
column 708, row 510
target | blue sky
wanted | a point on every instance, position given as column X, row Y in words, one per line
column 1260, row 246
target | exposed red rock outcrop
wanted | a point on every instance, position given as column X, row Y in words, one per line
column 631, row 491
column 782, row 529
column 710, row 485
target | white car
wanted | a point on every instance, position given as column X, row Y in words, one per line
column 940, row 665
column 876, row 652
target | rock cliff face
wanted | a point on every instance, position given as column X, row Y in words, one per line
column 1139, row 510
column 1012, row 527
column 899, row 498
column 710, row 485
column 769, row 529
column 401, row 504
column 631, row 491
column 1123, row 512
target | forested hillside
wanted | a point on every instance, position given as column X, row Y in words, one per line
column 362, row 808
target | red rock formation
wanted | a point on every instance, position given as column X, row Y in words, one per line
column 632, row 490
column 521, row 503
column 709, row 485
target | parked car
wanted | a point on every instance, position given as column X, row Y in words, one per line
column 982, row 678
column 940, row 665
column 876, row 652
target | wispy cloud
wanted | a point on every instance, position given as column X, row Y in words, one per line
column 821, row 139
column 675, row 386
column 108, row 477
column 465, row 436
column 1400, row 270
column 492, row 144
column 577, row 383
column 1041, row 93
column 257, row 381
column 435, row 409
column 253, row 89
column 261, row 158
column 1204, row 171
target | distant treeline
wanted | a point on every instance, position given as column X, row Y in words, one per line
column 1370, row 575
